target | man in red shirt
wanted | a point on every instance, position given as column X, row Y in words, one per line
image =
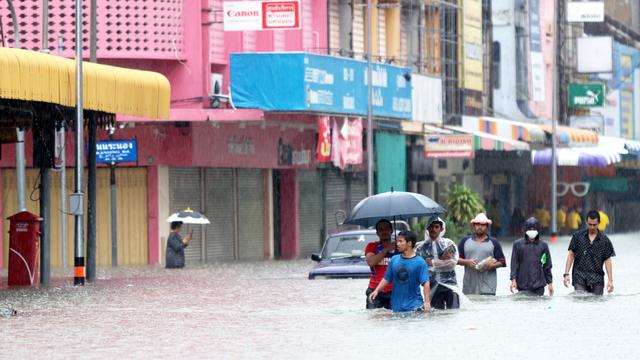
column 378, row 255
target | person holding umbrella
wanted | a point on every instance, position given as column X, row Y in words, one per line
column 175, row 246
column 176, row 243
column 378, row 255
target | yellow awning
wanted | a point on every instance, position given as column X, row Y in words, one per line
column 34, row 76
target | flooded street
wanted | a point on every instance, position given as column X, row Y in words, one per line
column 271, row 309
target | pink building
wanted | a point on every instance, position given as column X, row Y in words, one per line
column 253, row 173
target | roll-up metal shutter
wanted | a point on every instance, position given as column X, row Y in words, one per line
column 358, row 184
column 185, row 192
column 250, row 214
column 335, row 200
column 310, row 211
column 220, row 209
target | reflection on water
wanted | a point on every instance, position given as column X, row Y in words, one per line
column 270, row 309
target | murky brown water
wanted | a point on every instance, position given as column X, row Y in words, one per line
column 271, row 310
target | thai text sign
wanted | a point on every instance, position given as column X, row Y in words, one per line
column 116, row 151
column 590, row 11
column 586, row 95
column 449, row 146
column 261, row 15
column 320, row 83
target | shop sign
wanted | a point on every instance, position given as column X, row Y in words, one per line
column 115, row 151
column 586, row 95
column 449, row 146
column 240, row 145
column 261, row 15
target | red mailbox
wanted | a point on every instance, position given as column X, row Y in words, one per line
column 24, row 249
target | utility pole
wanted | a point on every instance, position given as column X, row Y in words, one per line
column 91, row 184
column 559, row 17
column 78, row 196
column 369, row 103
column 20, row 155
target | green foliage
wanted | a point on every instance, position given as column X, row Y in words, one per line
column 463, row 204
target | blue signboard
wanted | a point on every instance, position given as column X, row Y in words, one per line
column 116, row 151
column 318, row 83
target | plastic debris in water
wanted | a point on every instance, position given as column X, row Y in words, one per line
column 7, row 312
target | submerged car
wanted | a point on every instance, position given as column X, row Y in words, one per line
column 343, row 256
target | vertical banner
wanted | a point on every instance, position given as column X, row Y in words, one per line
column 536, row 58
column 324, row 139
column 626, row 96
column 346, row 142
column 472, row 74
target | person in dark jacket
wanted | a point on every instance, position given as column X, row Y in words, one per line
column 175, row 246
column 531, row 262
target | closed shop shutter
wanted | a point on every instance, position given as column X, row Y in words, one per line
column 132, row 216
column 335, row 199
column 184, row 192
column 358, row 188
column 250, row 214
column 220, row 209
column 310, row 211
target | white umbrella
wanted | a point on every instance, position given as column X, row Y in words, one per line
column 189, row 216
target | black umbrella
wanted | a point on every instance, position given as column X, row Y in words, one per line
column 392, row 205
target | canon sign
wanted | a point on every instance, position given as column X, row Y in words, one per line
column 261, row 15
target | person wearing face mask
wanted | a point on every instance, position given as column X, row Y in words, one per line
column 531, row 262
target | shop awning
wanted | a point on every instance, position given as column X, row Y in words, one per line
column 33, row 76
column 484, row 141
column 571, row 136
column 595, row 156
column 203, row 115
column 508, row 129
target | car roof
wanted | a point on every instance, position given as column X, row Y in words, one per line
column 355, row 232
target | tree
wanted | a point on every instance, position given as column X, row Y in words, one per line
column 462, row 205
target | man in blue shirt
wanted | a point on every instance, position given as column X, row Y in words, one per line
column 407, row 271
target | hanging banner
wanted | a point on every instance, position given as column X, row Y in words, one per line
column 324, row 139
column 346, row 142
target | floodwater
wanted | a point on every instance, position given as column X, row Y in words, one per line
column 271, row 310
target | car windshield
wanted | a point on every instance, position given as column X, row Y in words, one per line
column 347, row 245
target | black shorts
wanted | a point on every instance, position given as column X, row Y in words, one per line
column 445, row 298
column 383, row 300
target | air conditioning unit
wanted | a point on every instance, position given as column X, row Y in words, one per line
column 216, row 97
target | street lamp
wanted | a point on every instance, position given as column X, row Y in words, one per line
column 369, row 104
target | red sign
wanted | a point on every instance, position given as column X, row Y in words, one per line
column 449, row 146
column 280, row 15
column 324, row 139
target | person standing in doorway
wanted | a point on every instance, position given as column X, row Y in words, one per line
column 407, row 272
column 589, row 250
column 531, row 262
column 441, row 254
column 481, row 255
column 175, row 246
column 378, row 255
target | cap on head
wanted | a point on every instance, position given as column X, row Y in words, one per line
column 481, row 219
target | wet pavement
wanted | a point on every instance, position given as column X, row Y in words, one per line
column 271, row 310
